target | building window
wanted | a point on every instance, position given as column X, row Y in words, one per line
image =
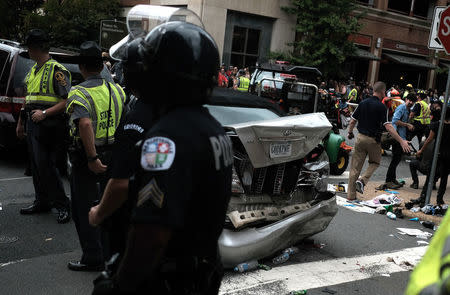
column 245, row 46
column 365, row 2
column 417, row 8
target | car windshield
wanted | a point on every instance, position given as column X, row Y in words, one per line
column 269, row 75
column 227, row 115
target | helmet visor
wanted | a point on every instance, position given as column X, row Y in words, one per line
column 141, row 19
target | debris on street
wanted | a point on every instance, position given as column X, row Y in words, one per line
column 414, row 219
column 391, row 215
column 422, row 243
column 414, row 232
column 246, row 266
column 48, row 239
column 299, row 292
column 384, row 199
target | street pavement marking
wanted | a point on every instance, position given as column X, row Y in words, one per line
column 11, row 262
column 16, row 178
column 344, row 175
column 318, row 274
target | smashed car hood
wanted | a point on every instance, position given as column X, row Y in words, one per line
column 283, row 139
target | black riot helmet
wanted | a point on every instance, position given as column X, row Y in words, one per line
column 174, row 64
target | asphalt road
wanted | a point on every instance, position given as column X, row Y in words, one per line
column 34, row 250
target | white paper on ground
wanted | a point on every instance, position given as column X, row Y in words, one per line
column 354, row 207
column 413, row 232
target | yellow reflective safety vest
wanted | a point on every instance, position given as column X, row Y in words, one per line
column 40, row 84
column 103, row 103
column 425, row 113
column 243, row 84
column 352, row 95
column 433, row 270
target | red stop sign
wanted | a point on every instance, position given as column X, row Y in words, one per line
column 444, row 29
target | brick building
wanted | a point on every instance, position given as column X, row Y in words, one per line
column 392, row 44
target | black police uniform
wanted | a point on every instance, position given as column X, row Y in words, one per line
column 45, row 142
column 184, row 183
column 132, row 129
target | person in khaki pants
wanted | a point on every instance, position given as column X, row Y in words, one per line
column 371, row 116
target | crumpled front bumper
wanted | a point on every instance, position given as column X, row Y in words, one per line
column 256, row 243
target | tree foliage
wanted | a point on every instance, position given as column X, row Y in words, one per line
column 12, row 17
column 323, row 28
column 71, row 22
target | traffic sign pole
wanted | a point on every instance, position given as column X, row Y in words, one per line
column 444, row 37
column 438, row 143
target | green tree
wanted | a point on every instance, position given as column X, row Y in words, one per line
column 12, row 17
column 71, row 22
column 322, row 31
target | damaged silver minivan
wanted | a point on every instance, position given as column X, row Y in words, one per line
column 279, row 185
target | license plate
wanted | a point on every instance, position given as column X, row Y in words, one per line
column 278, row 150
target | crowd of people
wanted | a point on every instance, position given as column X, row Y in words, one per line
column 406, row 114
column 233, row 77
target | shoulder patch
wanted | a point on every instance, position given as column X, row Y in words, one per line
column 133, row 127
column 152, row 192
column 61, row 78
column 157, row 154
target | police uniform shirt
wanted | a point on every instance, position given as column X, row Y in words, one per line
column 184, row 181
column 61, row 83
column 131, row 130
column 78, row 111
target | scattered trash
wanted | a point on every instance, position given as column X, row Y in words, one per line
column 401, row 181
column 340, row 188
column 384, row 199
column 391, row 192
column 428, row 224
column 356, row 207
column 427, row 209
column 281, row 258
column 1, row 206
column 414, row 219
column 380, row 210
column 398, row 212
column 414, row 232
column 422, row 243
column 329, row 291
column 381, row 187
column 415, row 209
column 385, row 275
column 409, row 205
column 391, row 215
column 246, row 266
column 299, row 292
column 48, row 239
column 265, row 267
column 291, row 250
column 389, row 208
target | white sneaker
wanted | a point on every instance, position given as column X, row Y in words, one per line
column 359, row 186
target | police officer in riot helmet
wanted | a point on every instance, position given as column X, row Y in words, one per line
column 183, row 183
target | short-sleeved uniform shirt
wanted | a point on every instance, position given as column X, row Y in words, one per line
column 78, row 111
column 184, row 181
column 371, row 115
column 132, row 129
column 401, row 114
column 61, row 86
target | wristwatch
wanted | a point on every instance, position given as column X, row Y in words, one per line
column 92, row 159
column 44, row 112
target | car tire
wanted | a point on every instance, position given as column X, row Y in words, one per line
column 341, row 164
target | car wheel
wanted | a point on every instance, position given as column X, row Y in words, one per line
column 341, row 164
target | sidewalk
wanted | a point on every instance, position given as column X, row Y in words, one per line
column 407, row 194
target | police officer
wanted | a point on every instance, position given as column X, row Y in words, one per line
column 420, row 116
column 185, row 159
column 95, row 109
column 46, row 86
column 243, row 82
